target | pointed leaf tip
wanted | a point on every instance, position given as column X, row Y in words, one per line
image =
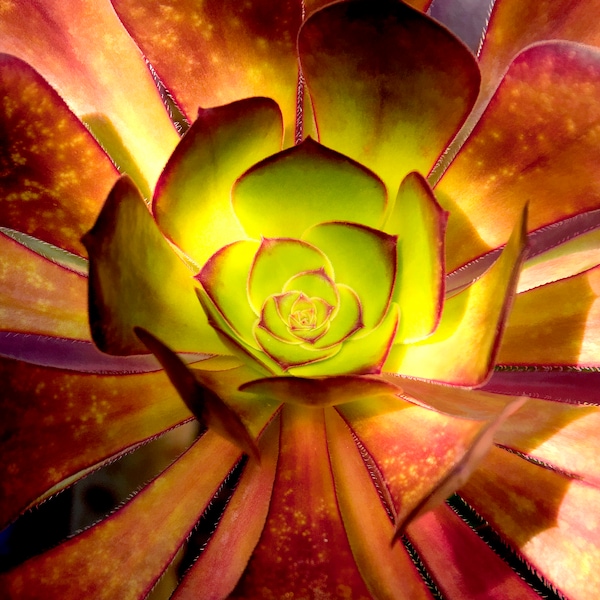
column 460, row 473
column 312, row 182
column 206, row 406
column 471, row 326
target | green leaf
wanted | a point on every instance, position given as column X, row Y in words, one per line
column 345, row 321
column 420, row 223
column 314, row 284
column 136, row 279
column 277, row 261
column 309, row 318
column 249, row 354
column 274, row 322
column 358, row 355
column 363, row 259
column 192, row 200
column 225, row 279
column 464, row 346
column 290, row 355
column 291, row 191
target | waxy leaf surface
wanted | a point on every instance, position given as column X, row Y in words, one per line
column 216, row 52
column 462, row 470
column 462, row 564
column 514, row 25
column 559, row 261
column 539, row 511
column 278, row 260
column 238, row 530
column 537, row 140
column 192, row 202
column 563, row 385
column 393, row 101
column 53, row 174
column 38, row 296
column 557, row 434
column 313, row 284
column 160, row 516
column 384, row 567
column 413, row 448
column 452, row 400
column 288, row 355
column 326, row 391
column 470, row 327
column 420, row 225
column 73, row 421
column 203, row 403
column 225, row 376
column 225, row 279
column 346, row 320
column 555, row 324
column 80, row 356
column 358, row 355
column 557, row 251
column 235, row 345
column 364, row 259
column 82, row 50
column 135, row 276
column 304, row 528
column 303, row 186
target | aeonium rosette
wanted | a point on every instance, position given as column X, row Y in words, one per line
column 309, row 292
column 298, row 263
column 318, row 285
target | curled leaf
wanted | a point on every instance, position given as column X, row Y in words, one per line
column 461, row 472
column 206, row 406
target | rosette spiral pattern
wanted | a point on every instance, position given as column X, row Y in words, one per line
column 319, row 303
column 362, row 260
